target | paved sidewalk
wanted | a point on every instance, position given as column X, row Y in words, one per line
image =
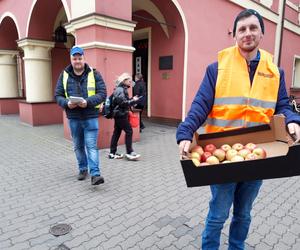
column 142, row 205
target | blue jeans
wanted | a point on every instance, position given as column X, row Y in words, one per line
column 242, row 196
column 84, row 134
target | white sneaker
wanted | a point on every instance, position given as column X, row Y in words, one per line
column 115, row 156
column 132, row 156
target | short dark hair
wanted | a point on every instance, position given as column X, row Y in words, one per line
column 139, row 76
column 247, row 13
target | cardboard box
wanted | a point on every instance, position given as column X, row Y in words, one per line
column 283, row 157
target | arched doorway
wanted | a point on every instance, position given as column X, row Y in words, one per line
column 160, row 31
column 11, row 88
column 45, row 18
column 44, row 58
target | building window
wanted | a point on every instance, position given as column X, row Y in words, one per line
column 296, row 76
column 267, row 3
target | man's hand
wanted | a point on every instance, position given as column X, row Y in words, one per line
column 294, row 130
column 83, row 104
column 101, row 107
column 71, row 105
column 184, row 147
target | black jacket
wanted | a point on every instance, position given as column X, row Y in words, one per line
column 139, row 89
column 77, row 86
column 121, row 101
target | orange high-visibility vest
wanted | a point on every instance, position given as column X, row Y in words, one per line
column 238, row 103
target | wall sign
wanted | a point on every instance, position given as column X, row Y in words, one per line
column 165, row 62
column 138, row 65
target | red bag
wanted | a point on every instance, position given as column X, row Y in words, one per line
column 133, row 119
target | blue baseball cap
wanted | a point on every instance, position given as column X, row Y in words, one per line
column 76, row 50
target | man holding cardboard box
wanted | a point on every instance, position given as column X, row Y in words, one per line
column 243, row 88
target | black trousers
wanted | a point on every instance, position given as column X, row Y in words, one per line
column 121, row 124
column 141, row 108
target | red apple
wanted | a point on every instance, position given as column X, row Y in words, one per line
column 251, row 156
column 197, row 149
column 220, row 154
column 212, row 160
column 230, row 153
column 237, row 158
column 243, row 152
column 237, row 146
column 250, row 146
column 196, row 162
column 205, row 156
column 210, row 148
column 260, row 152
column 195, row 155
column 225, row 147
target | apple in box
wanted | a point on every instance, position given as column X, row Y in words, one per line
column 237, row 158
column 204, row 164
column 195, row 155
column 244, row 152
column 230, row 153
column 196, row 162
column 212, row 160
column 225, row 147
column 197, row 149
column 250, row 146
column 260, row 152
column 210, row 148
column 251, row 156
column 205, row 156
column 220, row 154
column 237, row 146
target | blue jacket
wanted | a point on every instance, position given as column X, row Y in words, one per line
column 77, row 86
column 204, row 99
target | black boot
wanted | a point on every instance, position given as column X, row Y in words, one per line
column 82, row 175
column 96, row 180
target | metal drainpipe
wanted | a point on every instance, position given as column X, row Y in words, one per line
column 278, row 42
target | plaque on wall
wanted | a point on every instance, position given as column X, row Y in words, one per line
column 165, row 62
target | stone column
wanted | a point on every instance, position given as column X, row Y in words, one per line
column 39, row 107
column 37, row 65
column 8, row 73
column 107, row 44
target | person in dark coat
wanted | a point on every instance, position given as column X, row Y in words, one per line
column 139, row 90
column 80, row 81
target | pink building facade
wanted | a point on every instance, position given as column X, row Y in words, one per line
column 170, row 42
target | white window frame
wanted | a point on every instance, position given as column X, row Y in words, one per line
column 296, row 73
column 267, row 3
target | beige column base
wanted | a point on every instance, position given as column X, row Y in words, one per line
column 38, row 72
column 8, row 73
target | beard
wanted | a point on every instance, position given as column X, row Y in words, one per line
column 78, row 68
column 249, row 48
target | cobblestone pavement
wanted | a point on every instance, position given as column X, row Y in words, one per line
column 142, row 205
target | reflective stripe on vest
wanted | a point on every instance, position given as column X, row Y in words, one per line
column 91, row 84
column 238, row 103
column 243, row 100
